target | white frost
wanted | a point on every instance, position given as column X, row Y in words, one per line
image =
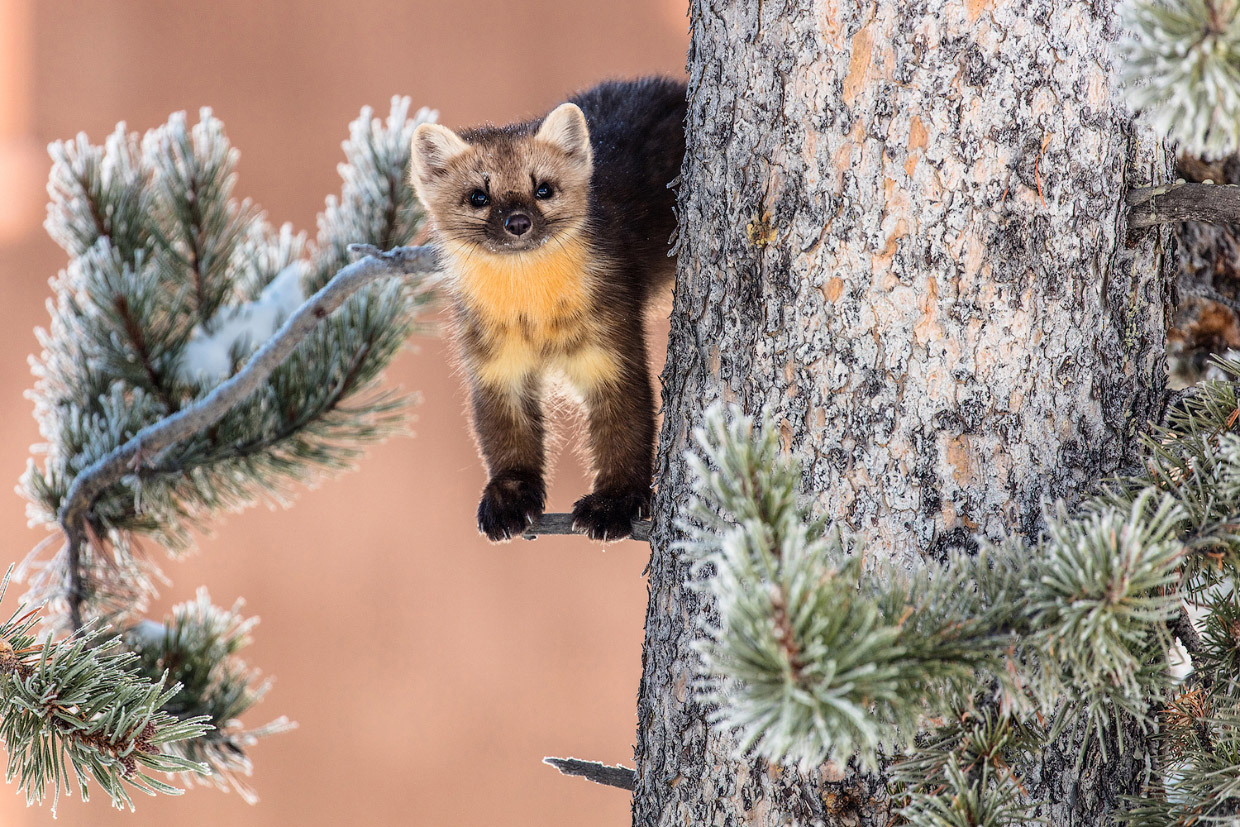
column 208, row 357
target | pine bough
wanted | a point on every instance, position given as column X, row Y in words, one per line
column 958, row 675
column 171, row 284
column 1180, row 63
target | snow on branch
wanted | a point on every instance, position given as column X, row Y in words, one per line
column 146, row 445
column 183, row 372
column 209, row 355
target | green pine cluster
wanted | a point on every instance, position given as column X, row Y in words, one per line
column 162, row 258
column 955, row 677
column 82, row 704
column 197, row 648
column 1180, row 64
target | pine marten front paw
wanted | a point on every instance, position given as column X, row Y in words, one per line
column 609, row 515
column 511, row 502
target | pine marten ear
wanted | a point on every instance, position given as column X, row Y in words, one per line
column 565, row 128
column 433, row 147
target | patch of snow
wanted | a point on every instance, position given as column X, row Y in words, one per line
column 147, row 633
column 1179, row 662
column 208, row 357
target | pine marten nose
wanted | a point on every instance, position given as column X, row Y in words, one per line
column 517, row 223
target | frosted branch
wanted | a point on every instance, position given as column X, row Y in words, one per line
column 145, row 445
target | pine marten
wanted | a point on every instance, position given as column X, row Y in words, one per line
column 554, row 233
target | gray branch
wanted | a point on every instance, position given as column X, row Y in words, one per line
column 1211, row 203
column 616, row 776
column 563, row 524
column 150, row 441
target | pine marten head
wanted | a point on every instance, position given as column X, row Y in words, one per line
column 506, row 190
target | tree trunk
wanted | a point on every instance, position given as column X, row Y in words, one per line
column 902, row 237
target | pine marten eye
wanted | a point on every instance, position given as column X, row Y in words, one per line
column 479, row 199
column 544, row 191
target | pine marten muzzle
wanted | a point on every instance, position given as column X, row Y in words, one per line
column 554, row 234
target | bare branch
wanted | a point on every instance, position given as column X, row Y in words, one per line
column 563, row 524
column 145, row 445
column 1211, row 203
column 616, row 776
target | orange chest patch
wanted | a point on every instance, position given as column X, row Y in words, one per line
column 544, row 290
column 534, row 313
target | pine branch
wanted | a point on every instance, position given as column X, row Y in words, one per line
column 123, row 350
column 1180, row 65
column 198, row 647
column 964, row 765
column 144, row 448
column 1171, row 203
column 968, row 797
column 563, row 524
column 155, row 414
column 79, row 703
column 617, row 776
column 193, row 175
column 818, row 654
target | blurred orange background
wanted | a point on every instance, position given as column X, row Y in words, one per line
column 429, row 671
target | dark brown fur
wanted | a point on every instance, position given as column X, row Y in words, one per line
column 575, row 289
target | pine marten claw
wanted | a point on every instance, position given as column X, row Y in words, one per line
column 510, row 503
column 605, row 515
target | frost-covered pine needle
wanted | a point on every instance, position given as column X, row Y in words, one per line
column 170, row 283
column 815, row 653
column 1180, row 64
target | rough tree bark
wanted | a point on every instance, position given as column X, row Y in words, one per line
column 902, row 235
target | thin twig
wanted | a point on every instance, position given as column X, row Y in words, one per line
column 616, row 776
column 1211, row 203
column 147, row 444
column 563, row 524
column 1202, row 291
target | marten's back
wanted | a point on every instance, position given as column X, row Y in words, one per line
column 638, row 139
